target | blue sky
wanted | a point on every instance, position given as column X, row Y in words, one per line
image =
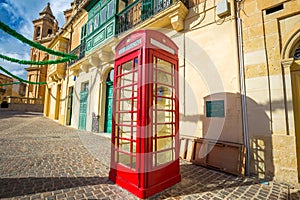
column 18, row 14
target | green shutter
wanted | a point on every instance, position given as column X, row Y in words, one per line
column 83, row 110
column 109, row 102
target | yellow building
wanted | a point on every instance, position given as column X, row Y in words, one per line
column 45, row 28
column 271, row 40
column 59, row 91
column 5, row 90
column 209, row 75
column 238, row 65
column 55, row 75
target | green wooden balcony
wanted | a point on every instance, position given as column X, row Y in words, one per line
column 141, row 10
column 101, row 24
column 110, row 18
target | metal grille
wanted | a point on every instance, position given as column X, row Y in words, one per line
column 78, row 51
column 139, row 12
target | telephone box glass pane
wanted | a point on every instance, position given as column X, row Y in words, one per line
column 125, row 132
column 126, row 112
column 164, row 157
column 163, row 115
column 164, row 143
column 124, row 159
column 124, row 145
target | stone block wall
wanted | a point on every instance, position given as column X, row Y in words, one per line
column 266, row 25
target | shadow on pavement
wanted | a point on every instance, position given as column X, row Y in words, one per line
column 12, row 113
column 12, row 187
column 196, row 180
column 295, row 195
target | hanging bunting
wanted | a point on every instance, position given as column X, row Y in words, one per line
column 29, row 62
column 20, row 79
column 66, row 57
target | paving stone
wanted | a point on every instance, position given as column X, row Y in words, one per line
column 40, row 159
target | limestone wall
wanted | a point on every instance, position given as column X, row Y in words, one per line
column 208, row 71
column 266, row 25
column 92, row 76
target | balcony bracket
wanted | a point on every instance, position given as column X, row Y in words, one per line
column 84, row 67
column 94, row 61
column 177, row 18
column 106, row 56
column 75, row 72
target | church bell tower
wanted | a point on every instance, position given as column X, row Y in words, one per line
column 45, row 29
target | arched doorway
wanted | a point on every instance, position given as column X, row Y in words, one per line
column 295, row 79
column 290, row 56
column 109, row 101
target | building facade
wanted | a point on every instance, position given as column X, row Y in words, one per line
column 59, row 95
column 238, row 65
column 45, row 28
column 5, row 90
column 271, row 42
column 15, row 90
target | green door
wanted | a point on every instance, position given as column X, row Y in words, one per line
column 108, row 107
column 70, row 105
column 83, row 110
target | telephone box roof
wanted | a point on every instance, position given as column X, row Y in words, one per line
column 145, row 39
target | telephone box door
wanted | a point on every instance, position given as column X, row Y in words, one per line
column 164, row 114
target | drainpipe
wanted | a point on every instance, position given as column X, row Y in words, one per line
column 242, row 85
column 68, row 77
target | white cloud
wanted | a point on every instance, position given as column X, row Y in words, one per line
column 21, row 13
column 10, row 11
column 20, row 72
column 58, row 7
column 14, row 68
column 26, row 10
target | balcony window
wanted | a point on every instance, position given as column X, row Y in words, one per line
column 83, row 31
column 90, row 26
column 96, row 21
column 161, row 4
column 111, row 9
column 84, row 86
column 103, row 15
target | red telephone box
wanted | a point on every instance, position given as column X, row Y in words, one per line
column 145, row 138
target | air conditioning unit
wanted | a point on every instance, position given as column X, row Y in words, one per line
column 223, row 8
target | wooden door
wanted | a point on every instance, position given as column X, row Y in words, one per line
column 295, row 76
column 57, row 102
column 70, row 106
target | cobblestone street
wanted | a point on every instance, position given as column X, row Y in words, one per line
column 40, row 159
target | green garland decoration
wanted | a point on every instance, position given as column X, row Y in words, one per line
column 20, row 79
column 29, row 62
column 66, row 57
